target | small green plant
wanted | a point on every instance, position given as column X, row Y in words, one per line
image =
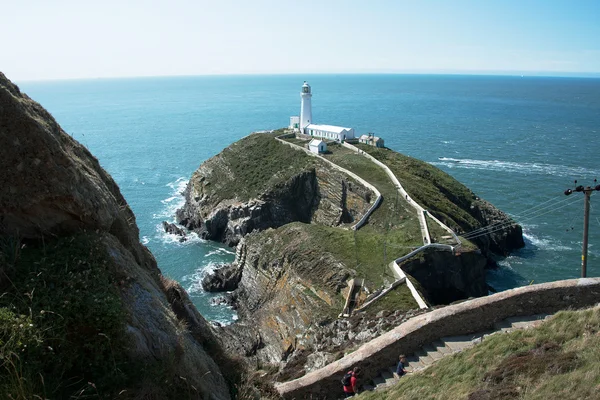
column 61, row 322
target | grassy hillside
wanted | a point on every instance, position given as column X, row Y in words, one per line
column 431, row 187
column 316, row 248
column 250, row 166
column 557, row 360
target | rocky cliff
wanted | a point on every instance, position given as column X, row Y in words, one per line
column 99, row 317
column 259, row 183
column 288, row 300
column 453, row 203
column 293, row 264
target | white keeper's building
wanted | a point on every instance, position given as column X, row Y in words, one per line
column 303, row 123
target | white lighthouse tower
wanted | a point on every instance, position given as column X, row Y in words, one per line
column 305, row 107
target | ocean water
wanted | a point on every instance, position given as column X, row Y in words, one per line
column 518, row 142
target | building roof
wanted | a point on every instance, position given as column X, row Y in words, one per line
column 315, row 142
column 328, row 128
column 367, row 137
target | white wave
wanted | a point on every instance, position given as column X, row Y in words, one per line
column 225, row 322
column 509, row 166
column 145, row 240
column 174, row 202
column 194, row 280
column 218, row 251
column 545, row 243
column 172, row 239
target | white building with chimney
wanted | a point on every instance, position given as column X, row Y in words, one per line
column 303, row 123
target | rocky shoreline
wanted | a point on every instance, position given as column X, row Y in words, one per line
column 287, row 296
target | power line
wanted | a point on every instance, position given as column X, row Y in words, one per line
column 536, row 206
column 587, row 192
column 527, row 214
column 507, row 224
column 501, row 225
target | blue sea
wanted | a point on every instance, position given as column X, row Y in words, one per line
column 518, row 142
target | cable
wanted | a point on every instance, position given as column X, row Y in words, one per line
column 536, row 206
column 592, row 208
column 509, row 223
column 500, row 226
column 528, row 214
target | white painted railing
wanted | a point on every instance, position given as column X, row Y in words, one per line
column 403, row 193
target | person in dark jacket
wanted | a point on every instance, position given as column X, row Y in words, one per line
column 401, row 365
column 351, row 388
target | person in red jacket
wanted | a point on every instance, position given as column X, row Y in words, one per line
column 350, row 382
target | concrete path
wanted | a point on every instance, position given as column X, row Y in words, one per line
column 432, row 352
column 375, row 204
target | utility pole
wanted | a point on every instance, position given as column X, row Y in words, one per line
column 587, row 192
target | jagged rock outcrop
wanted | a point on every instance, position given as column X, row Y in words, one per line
column 224, row 278
column 51, row 188
column 504, row 236
column 445, row 278
column 175, row 230
column 221, row 206
column 282, row 292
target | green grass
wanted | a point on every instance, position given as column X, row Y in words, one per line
column 559, row 360
column 251, row 166
column 393, row 220
column 63, row 324
column 299, row 142
column 435, row 190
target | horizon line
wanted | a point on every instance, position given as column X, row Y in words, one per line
column 512, row 73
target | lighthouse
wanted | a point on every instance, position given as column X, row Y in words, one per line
column 304, row 125
column 305, row 107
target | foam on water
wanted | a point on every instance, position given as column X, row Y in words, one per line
column 218, row 251
column 516, row 167
column 543, row 243
column 175, row 200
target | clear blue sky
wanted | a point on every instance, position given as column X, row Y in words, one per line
column 58, row 39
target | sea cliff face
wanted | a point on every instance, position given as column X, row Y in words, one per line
column 293, row 263
column 258, row 183
column 102, row 317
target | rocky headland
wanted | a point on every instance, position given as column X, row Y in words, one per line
column 290, row 216
column 84, row 310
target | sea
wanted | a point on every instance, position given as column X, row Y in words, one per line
column 518, row 142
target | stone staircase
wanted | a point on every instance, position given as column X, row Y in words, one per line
column 432, row 352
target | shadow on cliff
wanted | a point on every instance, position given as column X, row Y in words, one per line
column 84, row 309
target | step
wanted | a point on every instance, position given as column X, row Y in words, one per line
column 414, row 363
column 526, row 322
column 441, row 347
column 378, row 381
column 432, row 352
column 389, row 377
column 424, row 358
column 520, row 322
column 458, row 343
column 369, row 388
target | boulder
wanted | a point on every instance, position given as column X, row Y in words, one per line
column 223, row 279
column 175, row 230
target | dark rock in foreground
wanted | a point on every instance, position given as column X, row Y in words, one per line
column 56, row 201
